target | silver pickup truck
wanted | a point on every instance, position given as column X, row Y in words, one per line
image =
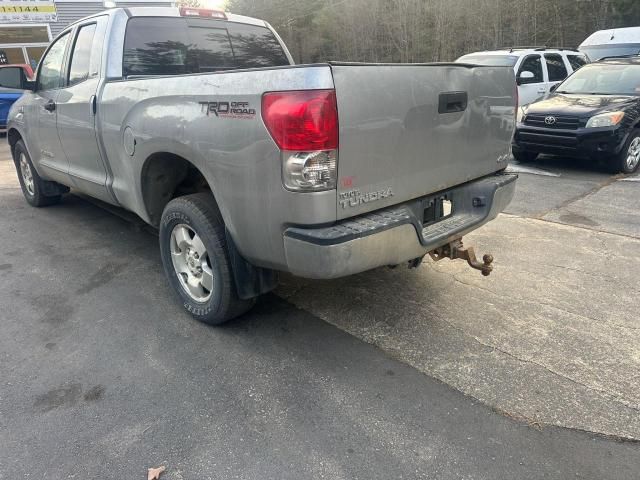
column 199, row 122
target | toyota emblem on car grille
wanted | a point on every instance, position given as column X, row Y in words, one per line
column 550, row 120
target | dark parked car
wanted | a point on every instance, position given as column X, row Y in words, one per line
column 595, row 113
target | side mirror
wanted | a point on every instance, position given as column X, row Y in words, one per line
column 525, row 76
column 13, row 77
column 554, row 88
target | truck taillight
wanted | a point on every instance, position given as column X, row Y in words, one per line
column 304, row 125
column 302, row 120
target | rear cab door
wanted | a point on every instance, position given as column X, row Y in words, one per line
column 76, row 106
column 531, row 89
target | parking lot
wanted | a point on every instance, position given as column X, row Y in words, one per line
column 434, row 372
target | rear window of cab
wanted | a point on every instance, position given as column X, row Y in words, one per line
column 178, row 46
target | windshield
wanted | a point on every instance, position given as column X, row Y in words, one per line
column 493, row 60
column 604, row 79
column 596, row 52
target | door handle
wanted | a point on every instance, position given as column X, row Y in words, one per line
column 451, row 102
column 50, row 106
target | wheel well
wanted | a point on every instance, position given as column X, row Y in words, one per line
column 13, row 136
column 166, row 176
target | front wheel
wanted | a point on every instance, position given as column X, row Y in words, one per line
column 196, row 259
column 38, row 192
column 628, row 159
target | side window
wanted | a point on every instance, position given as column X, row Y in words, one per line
column 533, row 64
column 555, row 67
column 81, row 55
column 51, row 65
column 576, row 61
column 10, row 77
column 156, row 46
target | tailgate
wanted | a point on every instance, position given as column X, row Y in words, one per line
column 410, row 130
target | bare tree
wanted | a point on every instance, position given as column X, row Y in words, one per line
column 431, row 30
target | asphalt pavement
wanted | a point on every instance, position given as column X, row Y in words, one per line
column 103, row 375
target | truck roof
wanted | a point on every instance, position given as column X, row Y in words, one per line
column 174, row 12
column 613, row 36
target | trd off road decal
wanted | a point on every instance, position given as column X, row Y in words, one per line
column 228, row 109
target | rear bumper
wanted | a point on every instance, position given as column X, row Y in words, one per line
column 394, row 235
column 584, row 142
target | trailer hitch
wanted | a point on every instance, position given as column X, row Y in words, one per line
column 455, row 250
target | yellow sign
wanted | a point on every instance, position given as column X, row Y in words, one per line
column 18, row 11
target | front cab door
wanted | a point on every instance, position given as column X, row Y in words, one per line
column 44, row 146
column 76, row 106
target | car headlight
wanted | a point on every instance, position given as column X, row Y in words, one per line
column 605, row 120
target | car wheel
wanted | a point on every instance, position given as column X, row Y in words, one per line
column 196, row 259
column 34, row 188
column 628, row 159
column 522, row 156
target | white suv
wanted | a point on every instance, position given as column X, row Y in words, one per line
column 537, row 69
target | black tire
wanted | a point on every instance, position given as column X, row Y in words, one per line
column 38, row 192
column 201, row 216
column 619, row 163
column 523, row 156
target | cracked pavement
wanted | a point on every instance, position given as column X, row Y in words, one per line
column 551, row 337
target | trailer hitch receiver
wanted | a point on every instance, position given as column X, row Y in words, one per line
column 455, row 250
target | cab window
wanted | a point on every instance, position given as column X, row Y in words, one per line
column 555, row 67
column 533, row 64
column 50, row 75
column 176, row 46
column 81, row 55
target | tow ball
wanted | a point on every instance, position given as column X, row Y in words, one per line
column 455, row 250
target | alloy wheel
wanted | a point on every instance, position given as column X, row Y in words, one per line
column 633, row 154
column 27, row 175
column 191, row 263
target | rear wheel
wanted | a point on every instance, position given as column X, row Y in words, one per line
column 38, row 192
column 196, row 259
column 628, row 159
column 523, row 156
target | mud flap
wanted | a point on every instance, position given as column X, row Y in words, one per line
column 250, row 281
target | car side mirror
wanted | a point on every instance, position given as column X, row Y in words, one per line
column 13, row 77
column 553, row 88
column 525, row 76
